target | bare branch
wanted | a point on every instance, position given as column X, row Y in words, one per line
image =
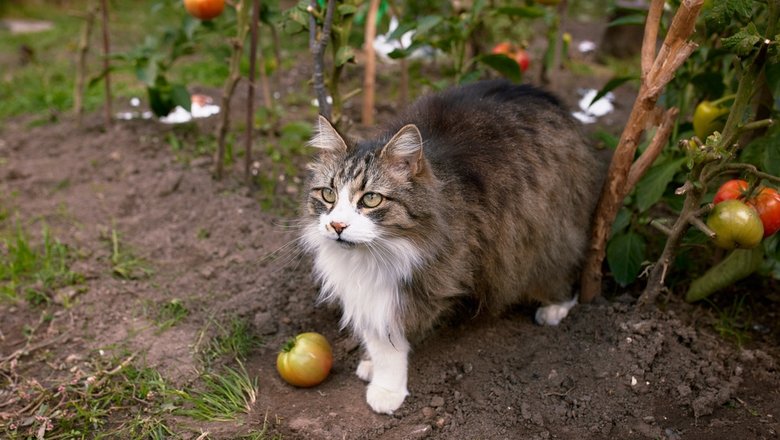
column 660, row 139
column 651, row 36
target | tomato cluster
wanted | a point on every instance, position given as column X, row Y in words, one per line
column 519, row 55
column 741, row 219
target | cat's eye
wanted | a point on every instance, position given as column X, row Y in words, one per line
column 328, row 195
column 371, row 200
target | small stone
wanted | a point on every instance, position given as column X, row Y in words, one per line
column 437, row 402
column 265, row 324
column 428, row 412
column 207, row 273
column 440, row 422
column 419, row 431
column 525, row 411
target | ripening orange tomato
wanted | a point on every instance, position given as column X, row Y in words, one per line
column 204, row 9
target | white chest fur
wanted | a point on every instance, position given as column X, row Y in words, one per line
column 366, row 281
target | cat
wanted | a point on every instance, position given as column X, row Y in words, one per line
column 484, row 191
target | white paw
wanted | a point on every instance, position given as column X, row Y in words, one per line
column 554, row 313
column 383, row 400
column 365, row 370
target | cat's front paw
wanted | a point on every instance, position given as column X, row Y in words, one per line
column 365, row 370
column 385, row 401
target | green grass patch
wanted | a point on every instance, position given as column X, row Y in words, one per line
column 34, row 271
column 113, row 398
column 733, row 321
column 223, row 397
column 234, row 340
column 170, row 313
column 124, row 264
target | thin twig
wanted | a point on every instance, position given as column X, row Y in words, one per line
column 106, row 64
column 317, row 47
column 700, row 225
column 250, row 104
column 27, row 349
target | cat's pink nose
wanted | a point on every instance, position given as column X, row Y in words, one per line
column 338, row 226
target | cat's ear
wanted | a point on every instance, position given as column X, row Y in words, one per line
column 405, row 148
column 327, row 138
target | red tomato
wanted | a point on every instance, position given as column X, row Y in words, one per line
column 522, row 59
column 204, row 9
column 733, row 189
column 306, row 360
column 736, row 225
column 766, row 202
column 504, row 47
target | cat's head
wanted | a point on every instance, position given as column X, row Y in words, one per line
column 359, row 193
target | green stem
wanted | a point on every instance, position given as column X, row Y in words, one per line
column 723, row 99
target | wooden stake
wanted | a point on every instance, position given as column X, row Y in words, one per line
column 369, row 76
column 81, row 66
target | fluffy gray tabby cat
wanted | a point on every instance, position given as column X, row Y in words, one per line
column 483, row 192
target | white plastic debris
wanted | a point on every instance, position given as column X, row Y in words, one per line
column 588, row 112
column 383, row 45
column 633, row 381
column 201, row 108
column 135, row 102
column 586, row 46
column 316, row 103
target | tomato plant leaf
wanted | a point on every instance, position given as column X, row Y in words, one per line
column 651, row 187
column 427, row 23
column 742, row 42
column 344, row 55
column 628, row 20
column 346, row 9
column 625, row 254
column 611, row 85
column 504, row 65
column 764, row 152
column 724, row 12
column 181, row 97
column 521, row 11
column 622, row 220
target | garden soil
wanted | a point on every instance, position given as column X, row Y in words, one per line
column 608, row 371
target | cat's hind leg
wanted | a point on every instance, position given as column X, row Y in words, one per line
column 553, row 314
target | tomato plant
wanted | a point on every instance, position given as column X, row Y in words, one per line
column 305, row 360
column 204, row 9
column 736, row 225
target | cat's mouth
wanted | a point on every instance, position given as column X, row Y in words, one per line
column 346, row 244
